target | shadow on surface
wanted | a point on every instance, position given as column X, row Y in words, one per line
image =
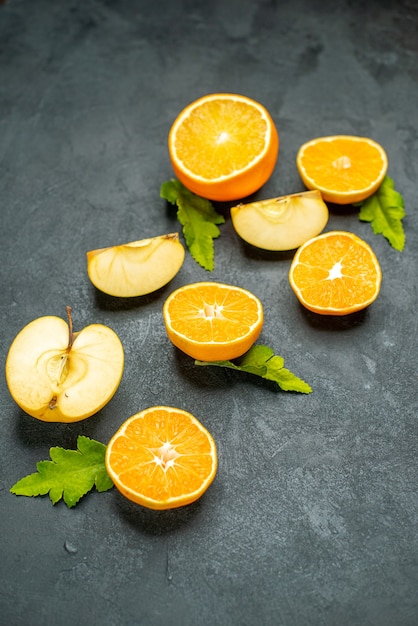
column 34, row 433
column 218, row 377
column 115, row 303
column 201, row 377
column 334, row 322
column 155, row 523
column 258, row 254
column 342, row 209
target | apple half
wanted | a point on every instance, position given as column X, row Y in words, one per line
column 56, row 375
column 136, row 268
column 283, row 223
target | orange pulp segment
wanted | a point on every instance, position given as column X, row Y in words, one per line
column 223, row 146
column 344, row 168
column 336, row 273
column 212, row 321
column 162, row 458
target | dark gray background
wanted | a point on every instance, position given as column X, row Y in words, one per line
column 312, row 519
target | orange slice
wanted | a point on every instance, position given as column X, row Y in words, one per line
column 223, row 146
column 212, row 321
column 335, row 273
column 162, row 458
column 345, row 169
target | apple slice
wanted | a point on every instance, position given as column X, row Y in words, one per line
column 283, row 223
column 56, row 375
column 136, row 268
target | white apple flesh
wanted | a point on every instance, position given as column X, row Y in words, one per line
column 283, row 223
column 136, row 268
column 59, row 376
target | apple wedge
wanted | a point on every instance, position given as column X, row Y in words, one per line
column 136, row 268
column 283, row 223
column 56, row 375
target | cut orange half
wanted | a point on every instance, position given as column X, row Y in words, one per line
column 212, row 321
column 162, row 458
column 336, row 273
column 223, row 146
column 344, row 168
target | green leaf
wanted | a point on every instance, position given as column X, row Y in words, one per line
column 69, row 475
column 199, row 220
column 385, row 210
column 261, row 361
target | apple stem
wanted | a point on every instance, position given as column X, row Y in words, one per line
column 70, row 324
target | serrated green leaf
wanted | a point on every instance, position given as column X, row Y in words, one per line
column 199, row 220
column 70, row 474
column 385, row 210
column 286, row 380
column 261, row 361
column 256, row 356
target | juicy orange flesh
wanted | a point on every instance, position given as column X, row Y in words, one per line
column 217, row 316
column 342, row 164
column 162, row 455
column 336, row 274
column 230, row 135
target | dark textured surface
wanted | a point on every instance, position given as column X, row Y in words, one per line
column 312, row 519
